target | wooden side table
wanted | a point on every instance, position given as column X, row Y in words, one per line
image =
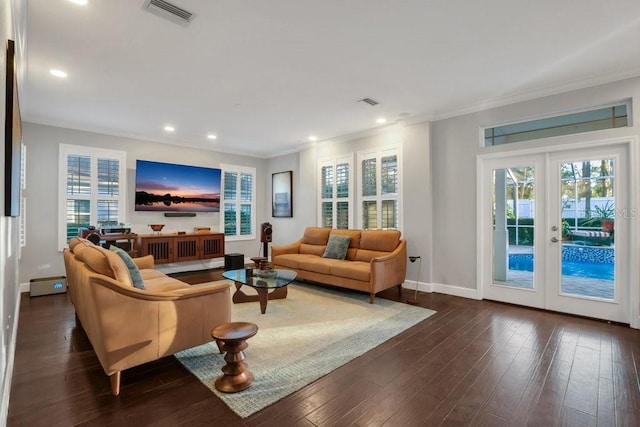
column 231, row 338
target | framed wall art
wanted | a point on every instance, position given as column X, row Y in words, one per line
column 12, row 137
column 282, row 194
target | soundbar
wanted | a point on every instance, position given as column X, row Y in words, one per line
column 178, row 214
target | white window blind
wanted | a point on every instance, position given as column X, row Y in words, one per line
column 379, row 191
column 336, row 192
column 91, row 180
column 238, row 202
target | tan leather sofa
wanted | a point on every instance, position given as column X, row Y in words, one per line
column 128, row 326
column 375, row 260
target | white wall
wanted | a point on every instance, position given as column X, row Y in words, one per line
column 455, row 144
column 12, row 18
column 41, row 258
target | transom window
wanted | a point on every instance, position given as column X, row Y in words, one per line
column 585, row 121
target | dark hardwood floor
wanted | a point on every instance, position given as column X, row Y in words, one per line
column 473, row 363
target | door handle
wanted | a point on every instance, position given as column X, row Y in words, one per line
column 554, row 228
column 554, row 239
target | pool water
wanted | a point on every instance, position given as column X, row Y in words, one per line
column 593, row 270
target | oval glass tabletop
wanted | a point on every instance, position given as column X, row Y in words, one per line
column 266, row 279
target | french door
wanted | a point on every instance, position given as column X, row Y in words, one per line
column 548, row 235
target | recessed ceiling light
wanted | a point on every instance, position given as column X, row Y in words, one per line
column 313, row 138
column 381, row 120
column 211, row 136
column 80, row 2
column 169, row 128
column 58, row 73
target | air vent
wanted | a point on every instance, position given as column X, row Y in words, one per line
column 169, row 11
column 370, row 101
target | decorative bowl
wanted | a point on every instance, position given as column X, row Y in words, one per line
column 156, row 227
column 266, row 273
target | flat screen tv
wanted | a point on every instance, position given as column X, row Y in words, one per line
column 168, row 187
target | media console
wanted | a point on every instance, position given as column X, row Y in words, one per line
column 167, row 248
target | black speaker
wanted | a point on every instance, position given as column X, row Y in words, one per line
column 266, row 232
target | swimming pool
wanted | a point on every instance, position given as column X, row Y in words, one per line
column 593, row 270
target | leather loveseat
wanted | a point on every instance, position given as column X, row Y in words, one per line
column 128, row 326
column 374, row 261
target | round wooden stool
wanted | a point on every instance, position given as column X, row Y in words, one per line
column 233, row 337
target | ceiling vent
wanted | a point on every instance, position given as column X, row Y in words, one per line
column 370, row 101
column 170, row 11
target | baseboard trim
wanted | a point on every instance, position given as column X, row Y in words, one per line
column 8, row 374
column 442, row 289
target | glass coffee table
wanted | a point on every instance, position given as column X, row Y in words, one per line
column 270, row 284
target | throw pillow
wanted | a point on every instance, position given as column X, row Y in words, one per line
column 337, row 247
column 136, row 277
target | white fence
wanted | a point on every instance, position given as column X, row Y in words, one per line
column 570, row 209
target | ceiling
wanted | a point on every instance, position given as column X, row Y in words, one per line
column 265, row 75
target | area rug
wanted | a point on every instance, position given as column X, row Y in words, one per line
column 300, row 339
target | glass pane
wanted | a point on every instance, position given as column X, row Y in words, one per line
column 342, row 180
column 369, row 177
column 230, row 186
column 108, row 212
column 230, row 219
column 327, row 214
column 342, row 215
column 588, row 214
column 327, row 182
column 78, row 175
column 369, row 215
column 389, row 174
column 246, row 187
column 586, row 121
column 78, row 215
column 389, row 214
column 513, row 225
column 108, row 177
column 245, row 220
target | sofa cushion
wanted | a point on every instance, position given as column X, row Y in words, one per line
column 316, row 236
column 379, row 240
column 291, row 260
column 320, row 265
column 134, row 272
column 356, row 270
column 316, row 250
column 78, row 241
column 337, row 247
column 103, row 261
column 164, row 284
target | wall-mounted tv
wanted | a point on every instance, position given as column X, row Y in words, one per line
column 168, row 187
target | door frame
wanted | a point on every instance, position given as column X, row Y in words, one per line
column 633, row 214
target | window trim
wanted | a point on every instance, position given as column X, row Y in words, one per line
column 64, row 151
column 239, row 169
column 334, row 161
column 378, row 154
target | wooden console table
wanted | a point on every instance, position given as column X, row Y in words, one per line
column 126, row 241
column 167, row 248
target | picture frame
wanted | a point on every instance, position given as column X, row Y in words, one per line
column 12, row 137
column 282, row 194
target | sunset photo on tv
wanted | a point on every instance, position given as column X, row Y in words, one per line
column 167, row 187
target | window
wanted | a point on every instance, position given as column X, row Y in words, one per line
column 379, row 189
column 335, row 198
column 239, row 200
column 92, row 182
column 585, row 121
